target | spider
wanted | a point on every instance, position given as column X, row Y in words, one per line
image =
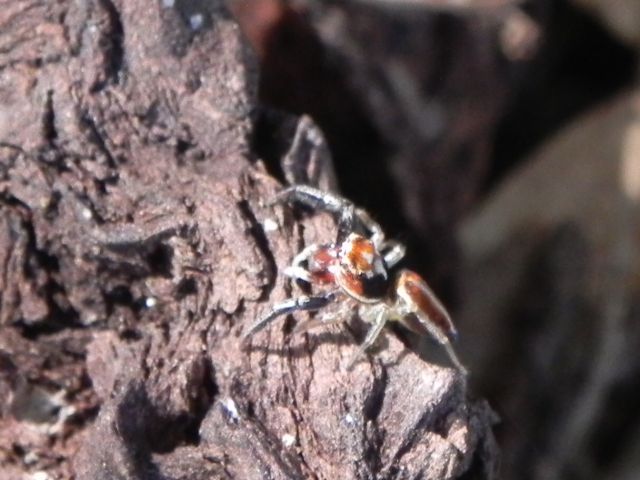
column 358, row 266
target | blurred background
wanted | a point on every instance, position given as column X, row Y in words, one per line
column 500, row 140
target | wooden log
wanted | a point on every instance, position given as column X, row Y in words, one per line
column 137, row 244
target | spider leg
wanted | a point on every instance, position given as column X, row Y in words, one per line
column 346, row 222
column 442, row 339
column 376, row 235
column 317, row 199
column 342, row 313
column 312, row 198
column 349, row 217
column 296, row 270
column 393, row 252
column 298, row 273
column 304, row 303
column 372, row 335
column 445, row 342
column 454, row 358
column 419, row 309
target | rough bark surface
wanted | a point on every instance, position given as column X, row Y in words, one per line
column 136, row 245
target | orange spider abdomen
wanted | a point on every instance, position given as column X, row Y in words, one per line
column 413, row 289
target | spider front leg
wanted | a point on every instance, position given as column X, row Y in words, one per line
column 303, row 303
column 318, row 259
column 313, row 198
column 317, row 199
column 350, row 218
column 419, row 309
column 296, row 270
column 392, row 252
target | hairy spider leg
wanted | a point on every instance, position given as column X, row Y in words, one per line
column 419, row 309
column 374, row 228
column 296, row 270
column 381, row 317
column 303, row 303
column 317, row 199
column 312, row 198
column 444, row 341
column 342, row 314
column 393, row 252
column 319, row 259
column 349, row 217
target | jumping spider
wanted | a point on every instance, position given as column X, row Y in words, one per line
column 358, row 266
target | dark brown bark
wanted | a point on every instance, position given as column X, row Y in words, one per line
column 135, row 247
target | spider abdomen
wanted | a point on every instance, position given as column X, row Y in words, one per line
column 416, row 294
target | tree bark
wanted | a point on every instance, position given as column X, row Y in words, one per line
column 137, row 244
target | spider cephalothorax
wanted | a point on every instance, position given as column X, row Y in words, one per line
column 357, row 266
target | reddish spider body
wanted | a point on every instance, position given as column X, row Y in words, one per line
column 321, row 262
column 355, row 266
column 358, row 266
column 360, row 272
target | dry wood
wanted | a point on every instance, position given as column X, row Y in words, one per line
column 136, row 245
